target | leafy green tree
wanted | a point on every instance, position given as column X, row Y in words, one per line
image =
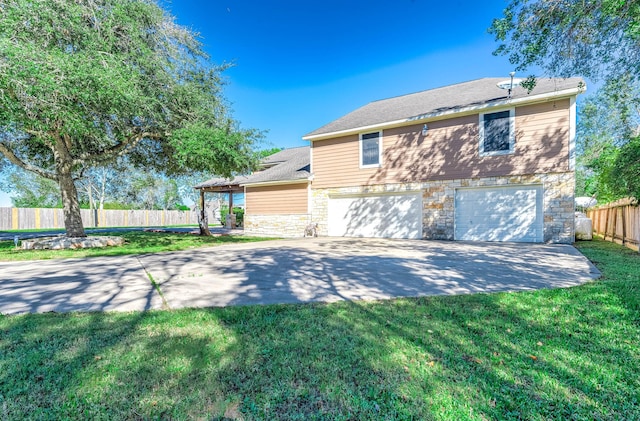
column 596, row 39
column 28, row 190
column 268, row 152
column 83, row 83
column 607, row 120
column 599, row 40
column 188, row 194
column 627, row 169
column 150, row 191
column 100, row 184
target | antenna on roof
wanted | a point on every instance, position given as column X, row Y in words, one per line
column 509, row 84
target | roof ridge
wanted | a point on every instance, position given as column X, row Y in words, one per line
column 433, row 89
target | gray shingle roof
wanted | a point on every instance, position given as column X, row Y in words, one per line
column 221, row 182
column 290, row 165
column 282, row 156
column 294, row 164
column 444, row 99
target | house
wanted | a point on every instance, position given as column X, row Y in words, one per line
column 276, row 196
column 469, row 161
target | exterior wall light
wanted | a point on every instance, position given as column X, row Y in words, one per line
column 425, row 129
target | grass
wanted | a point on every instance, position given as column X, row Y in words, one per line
column 552, row 354
column 137, row 242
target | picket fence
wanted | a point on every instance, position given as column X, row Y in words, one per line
column 618, row 222
column 42, row 218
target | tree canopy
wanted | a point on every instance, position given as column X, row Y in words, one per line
column 599, row 40
column 29, row 190
column 595, row 39
column 85, row 82
column 608, row 121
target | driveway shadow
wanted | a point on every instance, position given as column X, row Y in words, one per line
column 328, row 270
column 94, row 284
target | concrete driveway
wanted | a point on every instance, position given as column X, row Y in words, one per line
column 288, row 271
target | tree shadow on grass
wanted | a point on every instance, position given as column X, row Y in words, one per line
column 426, row 358
column 465, row 357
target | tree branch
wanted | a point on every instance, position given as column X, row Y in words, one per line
column 117, row 150
column 14, row 159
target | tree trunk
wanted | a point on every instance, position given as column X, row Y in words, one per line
column 70, row 206
column 103, row 187
column 203, row 219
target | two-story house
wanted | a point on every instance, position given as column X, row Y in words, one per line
column 469, row 161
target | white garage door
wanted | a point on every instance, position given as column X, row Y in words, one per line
column 387, row 216
column 512, row 213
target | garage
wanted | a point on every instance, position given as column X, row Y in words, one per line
column 509, row 213
column 383, row 215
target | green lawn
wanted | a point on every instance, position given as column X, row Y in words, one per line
column 554, row 354
column 137, row 242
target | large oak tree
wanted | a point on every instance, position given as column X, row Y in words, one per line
column 84, row 82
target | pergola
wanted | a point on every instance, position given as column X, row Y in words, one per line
column 219, row 185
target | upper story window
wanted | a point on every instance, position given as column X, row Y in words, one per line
column 370, row 149
column 497, row 133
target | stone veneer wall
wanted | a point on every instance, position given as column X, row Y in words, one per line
column 438, row 203
column 287, row 226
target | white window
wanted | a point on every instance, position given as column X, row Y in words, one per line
column 497, row 133
column 370, row 149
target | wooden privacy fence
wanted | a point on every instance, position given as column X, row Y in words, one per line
column 42, row 218
column 617, row 221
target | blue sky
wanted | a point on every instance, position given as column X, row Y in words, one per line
column 301, row 64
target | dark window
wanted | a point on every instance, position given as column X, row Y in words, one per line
column 371, row 149
column 497, row 127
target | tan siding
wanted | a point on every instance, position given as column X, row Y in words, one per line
column 280, row 199
column 449, row 151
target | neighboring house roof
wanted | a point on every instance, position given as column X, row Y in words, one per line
column 287, row 165
column 452, row 99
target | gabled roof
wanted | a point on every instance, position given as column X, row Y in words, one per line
column 450, row 99
column 287, row 165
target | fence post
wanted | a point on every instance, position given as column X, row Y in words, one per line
column 615, row 225
column 624, row 225
column 14, row 218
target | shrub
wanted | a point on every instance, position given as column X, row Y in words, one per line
column 238, row 211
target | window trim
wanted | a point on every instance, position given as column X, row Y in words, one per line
column 379, row 164
column 512, row 133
